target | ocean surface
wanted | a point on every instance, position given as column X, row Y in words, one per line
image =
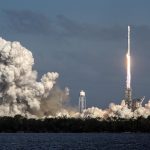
column 74, row 141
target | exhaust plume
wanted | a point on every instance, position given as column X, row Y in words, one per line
column 116, row 111
column 20, row 93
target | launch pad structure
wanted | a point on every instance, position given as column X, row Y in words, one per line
column 131, row 103
column 128, row 97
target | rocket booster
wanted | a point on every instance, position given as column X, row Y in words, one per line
column 129, row 40
column 128, row 82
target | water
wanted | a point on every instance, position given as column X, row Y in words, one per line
column 72, row 141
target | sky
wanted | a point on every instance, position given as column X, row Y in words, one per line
column 85, row 41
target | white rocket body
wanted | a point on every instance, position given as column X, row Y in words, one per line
column 128, row 82
column 128, row 90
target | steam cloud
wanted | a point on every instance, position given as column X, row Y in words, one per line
column 20, row 93
column 116, row 111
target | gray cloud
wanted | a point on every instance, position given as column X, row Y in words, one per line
column 28, row 22
column 142, row 33
column 88, row 31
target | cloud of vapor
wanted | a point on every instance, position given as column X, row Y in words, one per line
column 30, row 22
column 27, row 21
column 55, row 104
column 73, row 28
column 20, row 93
column 116, row 111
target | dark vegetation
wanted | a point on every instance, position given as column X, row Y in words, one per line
column 21, row 124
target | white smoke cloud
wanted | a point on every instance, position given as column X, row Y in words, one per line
column 143, row 111
column 20, row 93
column 116, row 111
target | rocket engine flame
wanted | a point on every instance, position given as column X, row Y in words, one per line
column 128, row 82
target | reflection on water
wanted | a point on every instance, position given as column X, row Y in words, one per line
column 72, row 141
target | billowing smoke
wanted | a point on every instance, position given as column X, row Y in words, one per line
column 20, row 93
column 116, row 111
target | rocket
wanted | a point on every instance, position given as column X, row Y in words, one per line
column 128, row 90
column 129, row 40
column 128, row 82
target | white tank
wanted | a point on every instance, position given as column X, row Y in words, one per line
column 82, row 93
column 82, row 101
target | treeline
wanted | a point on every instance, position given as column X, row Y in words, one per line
column 74, row 125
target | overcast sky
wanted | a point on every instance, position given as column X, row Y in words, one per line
column 85, row 41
